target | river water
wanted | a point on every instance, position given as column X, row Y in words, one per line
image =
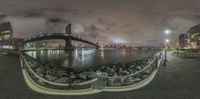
column 86, row 58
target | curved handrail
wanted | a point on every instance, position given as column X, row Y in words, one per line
column 87, row 82
column 137, row 72
column 54, row 83
column 92, row 80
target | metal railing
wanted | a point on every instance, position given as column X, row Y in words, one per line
column 38, row 79
column 135, row 76
column 111, row 81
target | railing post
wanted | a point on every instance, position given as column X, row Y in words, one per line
column 165, row 60
column 22, row 62
column 156, row 62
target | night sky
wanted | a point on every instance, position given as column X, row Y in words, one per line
column 134, row 22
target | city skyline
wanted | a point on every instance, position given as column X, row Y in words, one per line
column 108, row 22
column 96, row 49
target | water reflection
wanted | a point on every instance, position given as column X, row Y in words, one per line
column 84, row 58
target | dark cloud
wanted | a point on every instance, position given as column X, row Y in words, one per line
column 2, row 16
column 197, row 17
column 32, row 13
column 93, row 32
column 132, row 21
column 56, row 24
column 56, row 20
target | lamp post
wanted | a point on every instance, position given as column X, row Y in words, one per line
column 166, row 44
column 167, row 32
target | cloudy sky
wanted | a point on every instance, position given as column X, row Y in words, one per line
column 135, row 22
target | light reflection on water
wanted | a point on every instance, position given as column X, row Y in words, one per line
column 84, row 58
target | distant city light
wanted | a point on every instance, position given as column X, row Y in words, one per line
column 101, row 46
column 118, row 40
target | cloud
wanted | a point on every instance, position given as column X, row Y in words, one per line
column 135, row 21
column 56, row 20
column 2, row 16
column 181, row 24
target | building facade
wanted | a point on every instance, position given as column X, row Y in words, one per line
column 18, row 43
column 6, row 35
column 194, row 36
column 184, row 41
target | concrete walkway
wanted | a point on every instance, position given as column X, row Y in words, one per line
column 180, row 79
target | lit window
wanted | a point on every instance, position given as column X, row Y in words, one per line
column 192, row 36
column 4, row 32
column 7, row 47
column 6, row 36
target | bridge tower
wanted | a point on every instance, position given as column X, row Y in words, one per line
column 68, row 43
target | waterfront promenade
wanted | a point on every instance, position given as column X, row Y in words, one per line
column 178, row 80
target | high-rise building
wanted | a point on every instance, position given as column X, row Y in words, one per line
column 6, row 35
column 183, row 40
column 194, row 36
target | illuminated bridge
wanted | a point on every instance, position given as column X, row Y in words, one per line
column 67, row 36
column 63, row 36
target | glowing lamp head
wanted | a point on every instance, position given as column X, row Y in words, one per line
column 167, row 31
column 167, row 40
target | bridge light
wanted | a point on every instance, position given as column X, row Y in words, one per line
column 49, row 34
column 41, row 35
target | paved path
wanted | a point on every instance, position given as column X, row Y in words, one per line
column 180, row 79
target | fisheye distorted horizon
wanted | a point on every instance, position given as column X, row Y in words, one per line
column 106, row 21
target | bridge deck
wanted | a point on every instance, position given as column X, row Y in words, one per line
column 178, row 80
column 63, row 36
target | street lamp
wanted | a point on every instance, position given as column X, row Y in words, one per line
column 166, row 43
column 167, row 32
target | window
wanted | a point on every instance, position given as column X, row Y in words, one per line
column 6, row 36
column 5, row 32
